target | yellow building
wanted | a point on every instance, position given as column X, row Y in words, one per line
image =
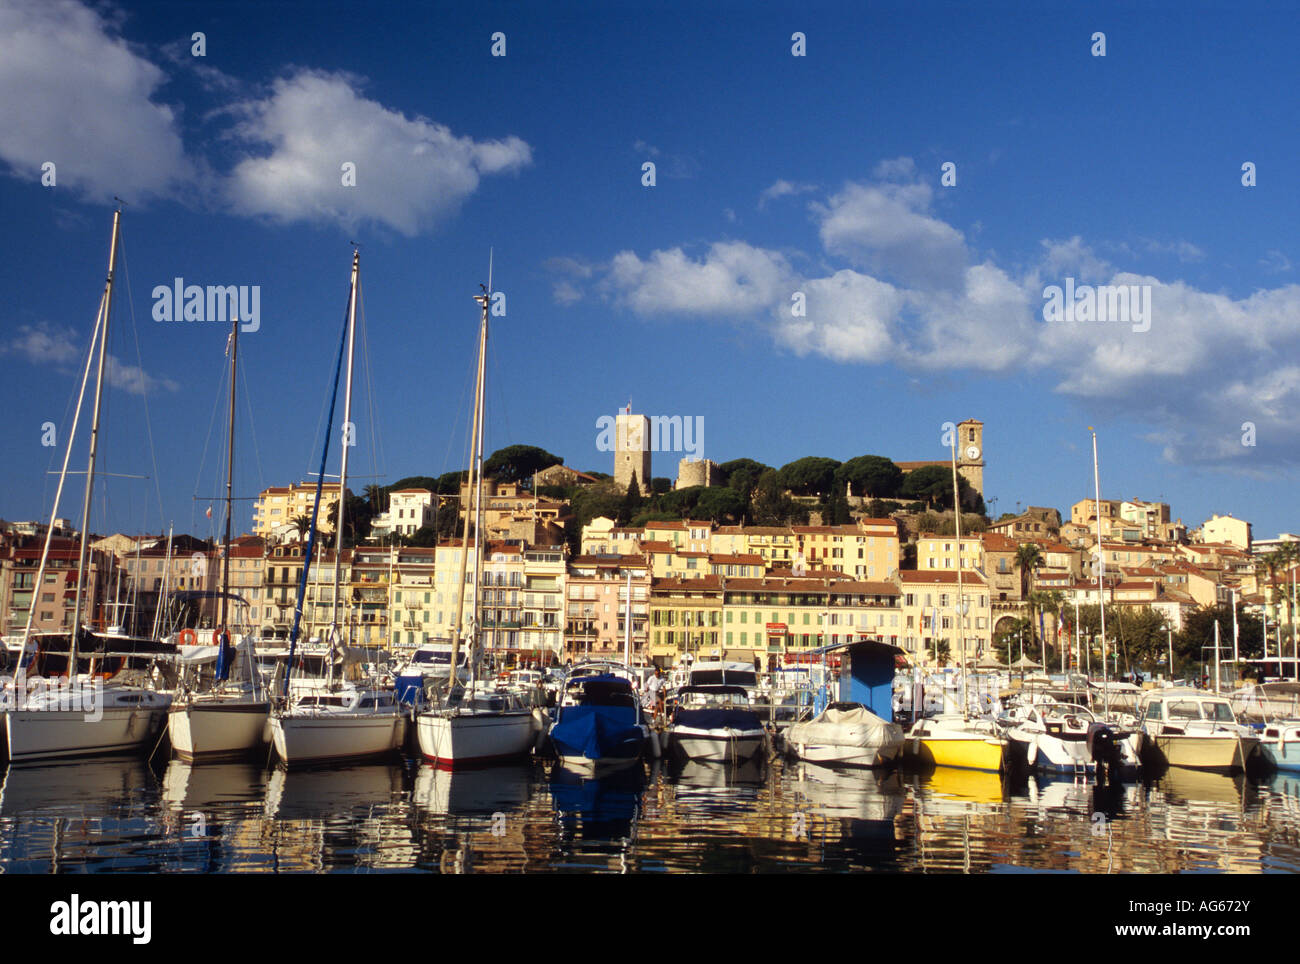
column 942, row 553
column 929, row 614
column 277, row 508
column 685, row 617
column 775, row 617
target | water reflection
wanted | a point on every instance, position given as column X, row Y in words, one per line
column 119, row 814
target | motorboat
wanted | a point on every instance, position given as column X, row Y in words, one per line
column 714, row 723
column 847, row 734
column 1197, row 730
column 954, row 740
column 1281, row 742
column 1067, row 738
column 599, row 724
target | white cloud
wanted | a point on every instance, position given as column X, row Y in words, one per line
column 410, row 171
column 885, row 228
column 73, row 92
column 1275, row 261
column 44, row 344
column 783, row 188
column 733, row 278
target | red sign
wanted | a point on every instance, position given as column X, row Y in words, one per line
column 776, row 627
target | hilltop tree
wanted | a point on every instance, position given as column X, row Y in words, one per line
column 871, row 476
column 742, row 475
column 517, row 463
column 720, row 504
column 812, row 475
column 632, row 501
column 932, row 484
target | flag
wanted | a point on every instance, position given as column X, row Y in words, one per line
column 209, row 512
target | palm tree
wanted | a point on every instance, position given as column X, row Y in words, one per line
column 1049, row 603
column 302, row 523
column 1028, row 558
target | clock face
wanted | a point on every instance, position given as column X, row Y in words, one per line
column 973, row 452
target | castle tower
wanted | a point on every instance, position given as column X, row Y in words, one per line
column 970, row 453
column 632, row 451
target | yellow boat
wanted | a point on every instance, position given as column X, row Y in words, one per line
column 954, row 741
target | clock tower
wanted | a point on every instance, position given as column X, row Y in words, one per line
column 970, row 453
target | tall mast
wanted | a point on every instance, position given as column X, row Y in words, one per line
column 472, row 486
column 105, row 315
column 230, row 472
column 1101, row 574
column 961, row 635
column 347, row 430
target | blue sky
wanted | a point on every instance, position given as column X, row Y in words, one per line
column 775, row 174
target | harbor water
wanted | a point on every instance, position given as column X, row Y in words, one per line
column 124, row 815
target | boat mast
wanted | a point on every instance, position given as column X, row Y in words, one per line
column 347, row 433
column 627, row 628
column 1101, row 575
column 58, row 492
column 471, row 487
column 484, row 299
column 105, row 314
column 961, row 635
column 230, row 472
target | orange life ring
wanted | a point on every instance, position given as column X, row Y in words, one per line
column 189, row 637
column 216, row 637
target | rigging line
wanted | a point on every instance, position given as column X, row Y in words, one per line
column 252, row 430
column 144, row 379
column 203, row 456
column 376, row 437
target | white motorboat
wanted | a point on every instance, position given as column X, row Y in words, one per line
column 714, row 723
column 1198, row 730
column 847, row 734
column 1068, row 738
column 1281, row 743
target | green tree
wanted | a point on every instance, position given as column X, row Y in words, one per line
column 932, row 484
column 871, row 475
column 632, row 501
column 812, row 475
column 659, row 485
column 721, row 505
column 517, row 463
column 742, row 475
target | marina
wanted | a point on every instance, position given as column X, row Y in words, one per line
column 119, row 814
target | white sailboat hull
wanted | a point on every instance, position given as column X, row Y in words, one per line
column 217, row 729
column 474, row 739
column 53, row 734
column 336, row 737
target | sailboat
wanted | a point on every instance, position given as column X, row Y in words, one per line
column 228, row 720
column 340, row 721
column 81, row 717
column 469, row 728
column 955, row 739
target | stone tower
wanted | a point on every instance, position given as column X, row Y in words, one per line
column 970, row 453
column 632, row 451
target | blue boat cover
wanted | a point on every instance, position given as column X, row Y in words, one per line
column 597, row 732
column 717, row 718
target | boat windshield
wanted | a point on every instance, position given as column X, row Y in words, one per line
column 1219, row 713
